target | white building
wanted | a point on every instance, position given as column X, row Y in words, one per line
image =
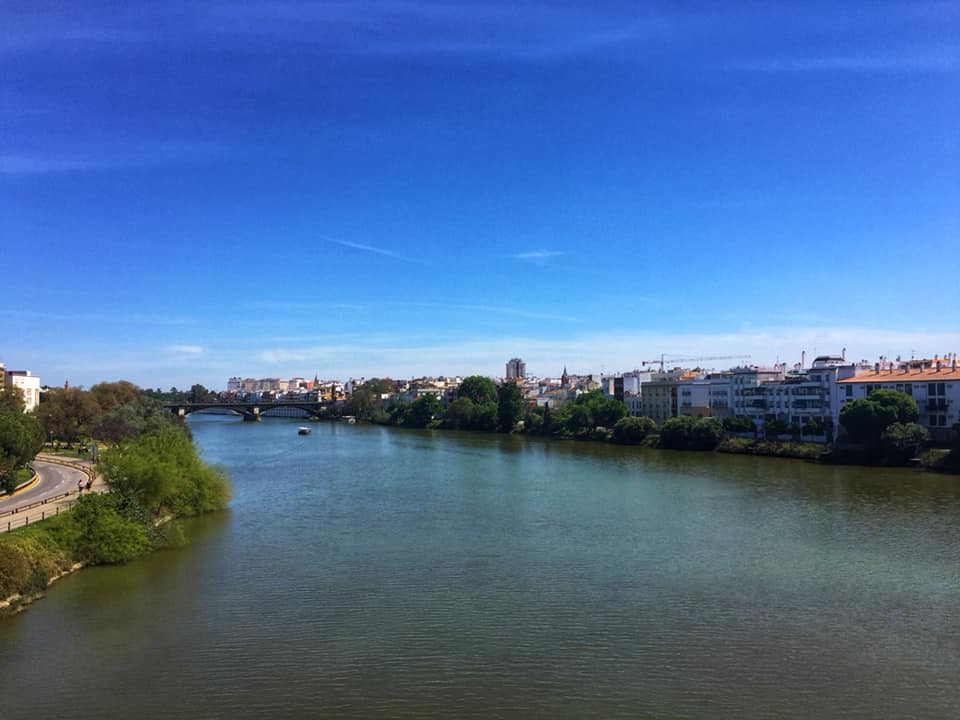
column 28, row 385
column 934, row 384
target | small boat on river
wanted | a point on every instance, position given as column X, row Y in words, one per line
column 304, row 431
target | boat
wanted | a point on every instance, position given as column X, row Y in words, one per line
column 304, row 431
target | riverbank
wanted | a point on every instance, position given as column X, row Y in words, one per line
column 153, row 479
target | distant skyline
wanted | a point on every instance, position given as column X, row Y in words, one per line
column 190, row 191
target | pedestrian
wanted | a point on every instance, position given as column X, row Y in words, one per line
column 89, row 484
column 79, row 486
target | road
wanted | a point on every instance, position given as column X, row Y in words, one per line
column 56, row 479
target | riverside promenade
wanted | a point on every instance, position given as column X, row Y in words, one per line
column 55, row 488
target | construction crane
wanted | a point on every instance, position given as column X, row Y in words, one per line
column 664, row 359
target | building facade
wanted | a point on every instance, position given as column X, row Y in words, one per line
column 28, row 385
column 934, row 384
column 516, row 369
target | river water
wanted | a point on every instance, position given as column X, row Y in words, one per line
column 363, row 571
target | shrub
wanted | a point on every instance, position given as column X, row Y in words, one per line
column 633, row 430
column 902, row 441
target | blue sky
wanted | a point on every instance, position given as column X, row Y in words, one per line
column 190, row 191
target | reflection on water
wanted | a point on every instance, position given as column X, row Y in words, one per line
column 362, row 571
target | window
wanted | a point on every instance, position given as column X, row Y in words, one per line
column 849, row 391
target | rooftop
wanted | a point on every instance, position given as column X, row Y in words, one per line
column 905, row 374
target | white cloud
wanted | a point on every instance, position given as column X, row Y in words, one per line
column 537, row 256
column 185, row 349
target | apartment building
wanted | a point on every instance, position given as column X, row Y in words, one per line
column 27, row 383
column 934, row 384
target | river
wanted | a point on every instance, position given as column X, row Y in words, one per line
column 363, row 571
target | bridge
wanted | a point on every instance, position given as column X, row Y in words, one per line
column 251, row 411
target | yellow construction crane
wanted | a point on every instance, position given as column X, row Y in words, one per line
column 664, row 359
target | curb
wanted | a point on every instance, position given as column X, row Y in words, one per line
column 25, row 486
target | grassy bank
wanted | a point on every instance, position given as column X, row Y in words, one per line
column 153, row 478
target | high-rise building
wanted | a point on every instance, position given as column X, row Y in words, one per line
column 516, row 369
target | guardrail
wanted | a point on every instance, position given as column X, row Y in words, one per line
column 22, row 520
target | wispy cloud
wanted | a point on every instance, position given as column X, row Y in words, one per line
column 107, row 157
column 99, row 318
column 185, row 349
column 474, row 30
column 374, row 250
column 927, row 63
column 538, row 257
column 300, row 307
column 498, row 309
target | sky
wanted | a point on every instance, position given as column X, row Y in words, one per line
column 195, row 190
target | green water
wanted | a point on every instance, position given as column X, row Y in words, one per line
column 363, row 572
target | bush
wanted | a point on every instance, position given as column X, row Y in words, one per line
column 632, row 430
column 100, row 530
column 902, row 441
column 14, row 570
column 162, row 471
column 690, row 433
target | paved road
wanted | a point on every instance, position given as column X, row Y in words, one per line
column 55, row 479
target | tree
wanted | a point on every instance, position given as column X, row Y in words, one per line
column 604, row 411
column 577, row 418
column 12, row 399
column 160, row 470
column 486, row 416
column 360, row 402
column 66, row 414
column 478, row 388
column 865, row 420
column 739, row 424
column 110, row 395
column 690, row 433
column 706, row 434
column 422, row 411
column 199, row 394
column 633, row 430
column 21, row 438
column 459, row 414
column 902, row 441
column 378, row 387
column 509, row 406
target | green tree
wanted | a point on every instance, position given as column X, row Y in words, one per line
column 705, row 434
column 161, row 471
column 199, row 394
column 105, row 528
column 110, row 395
column 604, row 411
column 422, row 411
column 902, row 441
column 509, row 406
column 459, row 414
column 865, row 420
column 486, row 417
column 738, row 424
column 379, row 386
column 360, row 403
column 478, row 388
column 66, row 414
column 633, row 430
column 12, row 399
column 21, row 438
column 577, row 418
